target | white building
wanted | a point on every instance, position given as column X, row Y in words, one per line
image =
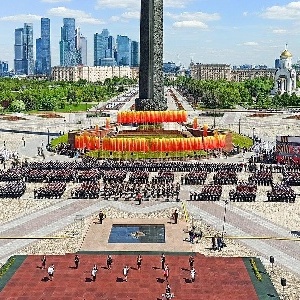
column 92, row 74
column 285, row 75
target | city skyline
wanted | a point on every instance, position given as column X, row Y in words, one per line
column 228, row 31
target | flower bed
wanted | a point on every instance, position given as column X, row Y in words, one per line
column 259, row 115
column 255, row 269
column 7, row 265
column 50, row 115
column 13, row 118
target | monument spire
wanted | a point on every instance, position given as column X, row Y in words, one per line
column 151, row 85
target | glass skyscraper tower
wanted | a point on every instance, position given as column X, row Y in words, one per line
column 135, row 57
column 100, row 46
column 68, row 52
column 124, row 50
column 43, row 52
column 24, row 62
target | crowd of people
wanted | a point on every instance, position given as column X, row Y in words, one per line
column 225, row 177
column 131, row 191
column 50, row 191
column 13, row 189
column 210, row 192
column 87, row 190
column 194, row 178
column 261, row 178
column 291, row 178
column 281, row 193
column 245, row 192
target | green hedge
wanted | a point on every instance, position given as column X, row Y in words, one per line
column 59, row 140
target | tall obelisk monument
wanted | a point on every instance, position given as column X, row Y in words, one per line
column 151, row 80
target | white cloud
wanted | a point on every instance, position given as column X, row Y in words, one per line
column 25, row 18
column 79, row 15
column 190, row 24
column 133, row 3
column 285, row 12
column 245, row 13
column 55, row 1
column 250, row 44
column 279, row 31
column 131, row 15
column 192, row 20
column 197, row 16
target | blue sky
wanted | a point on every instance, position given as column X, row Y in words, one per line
column 208, row 31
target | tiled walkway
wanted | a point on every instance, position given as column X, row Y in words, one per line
column 217, row 278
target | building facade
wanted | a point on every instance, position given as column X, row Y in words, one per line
column 135, row 54
column 43, row 51
column 225, row 72
column 123, row 50
column 81, row 48
column 241, row 75
column 210, row 71
column 101, row 46
column 23, row 50
column 68, row 54
column 92, row 74
column 4, row 68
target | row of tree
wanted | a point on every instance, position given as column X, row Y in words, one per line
column 228, row 94
column 29, row 94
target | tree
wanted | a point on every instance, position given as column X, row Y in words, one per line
column 17, row 106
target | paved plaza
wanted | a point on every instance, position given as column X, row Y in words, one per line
column 61, row 213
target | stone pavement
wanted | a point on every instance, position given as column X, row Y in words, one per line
column 238, row 223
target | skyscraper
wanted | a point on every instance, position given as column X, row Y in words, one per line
column 135, row 59
column 81, row 48
column 43, row 52
column 24, row 62
column 100, row 46
column 124, row 50
column 67, row 43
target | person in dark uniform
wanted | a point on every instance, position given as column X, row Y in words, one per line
column 191, row 261
column 43, row 259
column 109, row 261
column 175, row 216
column 163, row 261
column 101, row 216
column 139, row 262
column 76, row 261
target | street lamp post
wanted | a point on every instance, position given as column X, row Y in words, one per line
column 224, row 218
column 239, row 125
column 214, row 118
column 48, row 143
column 253, row 130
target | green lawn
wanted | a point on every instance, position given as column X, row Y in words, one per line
column 242, row 141
column 69, row 108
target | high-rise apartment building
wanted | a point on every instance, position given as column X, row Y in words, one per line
column 135, row 54
column 23, row 61
column 124, row 50
column 68, row 53
column 43, row 52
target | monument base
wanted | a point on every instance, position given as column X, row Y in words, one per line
column 150, row 104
